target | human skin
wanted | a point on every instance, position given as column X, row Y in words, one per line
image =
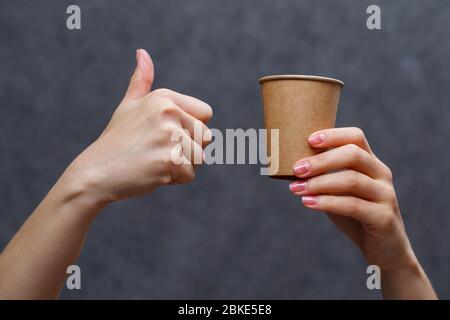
column 133, row 155
column 355, row 189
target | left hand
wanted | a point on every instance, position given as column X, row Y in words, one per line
column 356, row 190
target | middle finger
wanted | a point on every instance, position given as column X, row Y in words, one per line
column 348, row 156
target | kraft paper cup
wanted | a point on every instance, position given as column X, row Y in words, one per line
column 297, row 105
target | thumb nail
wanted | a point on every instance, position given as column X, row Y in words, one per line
column 138, row 57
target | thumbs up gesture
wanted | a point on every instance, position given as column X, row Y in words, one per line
column 154, row 138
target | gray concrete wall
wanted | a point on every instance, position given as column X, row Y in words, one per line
column 231, row 233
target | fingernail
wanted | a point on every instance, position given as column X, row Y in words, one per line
column 317, row 138
column 138, row 56
column 297, row 186
column 301, row 168
column 309, row 201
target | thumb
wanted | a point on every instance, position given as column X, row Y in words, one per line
column 142, row 79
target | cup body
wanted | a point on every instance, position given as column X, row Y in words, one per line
column 297, row 106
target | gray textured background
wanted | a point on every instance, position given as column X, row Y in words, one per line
column 231, row 233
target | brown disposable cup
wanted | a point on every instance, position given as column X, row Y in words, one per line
column 297, row 105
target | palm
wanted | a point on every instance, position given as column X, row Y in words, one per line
column 351, row 227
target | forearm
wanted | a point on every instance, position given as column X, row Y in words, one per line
column 408, row 283
column 33, row 265
column 133, row 155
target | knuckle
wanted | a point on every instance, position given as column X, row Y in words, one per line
column 312, row 185
column 354, row 206
column 354, row 179
column 170, row 130
column 207, row 134
column 325, row 203
column 386, row 219
column 328, row 203
column 171, row 157
column 167, row 109
column 162, row 92
column 354, row 151
column 388, row 173
column 208, row 111
column 319, row 161
column 152, row 102
column 390, row 194
column 359, row 133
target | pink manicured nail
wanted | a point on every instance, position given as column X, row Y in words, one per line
column 138, row 56
column 301, row 168
column 317, row 138
column 297, row 186
column 309, row 201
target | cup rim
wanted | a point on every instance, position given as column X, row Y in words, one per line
column 300, row 77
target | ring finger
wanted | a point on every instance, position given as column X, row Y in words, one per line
column 345, row 182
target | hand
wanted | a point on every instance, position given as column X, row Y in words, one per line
column 355, row 188
column 137, row 150
column 144, row 146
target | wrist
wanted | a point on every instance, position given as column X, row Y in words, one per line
column 409, row 266
column 79, row 188
column 407, row 281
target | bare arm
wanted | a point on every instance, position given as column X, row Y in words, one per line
column 139, row 150
column 34, row 263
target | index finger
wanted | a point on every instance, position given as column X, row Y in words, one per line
column 195, row 107
column 336, row 137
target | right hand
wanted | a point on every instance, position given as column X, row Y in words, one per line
column 355, row 189
column 135, row 152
